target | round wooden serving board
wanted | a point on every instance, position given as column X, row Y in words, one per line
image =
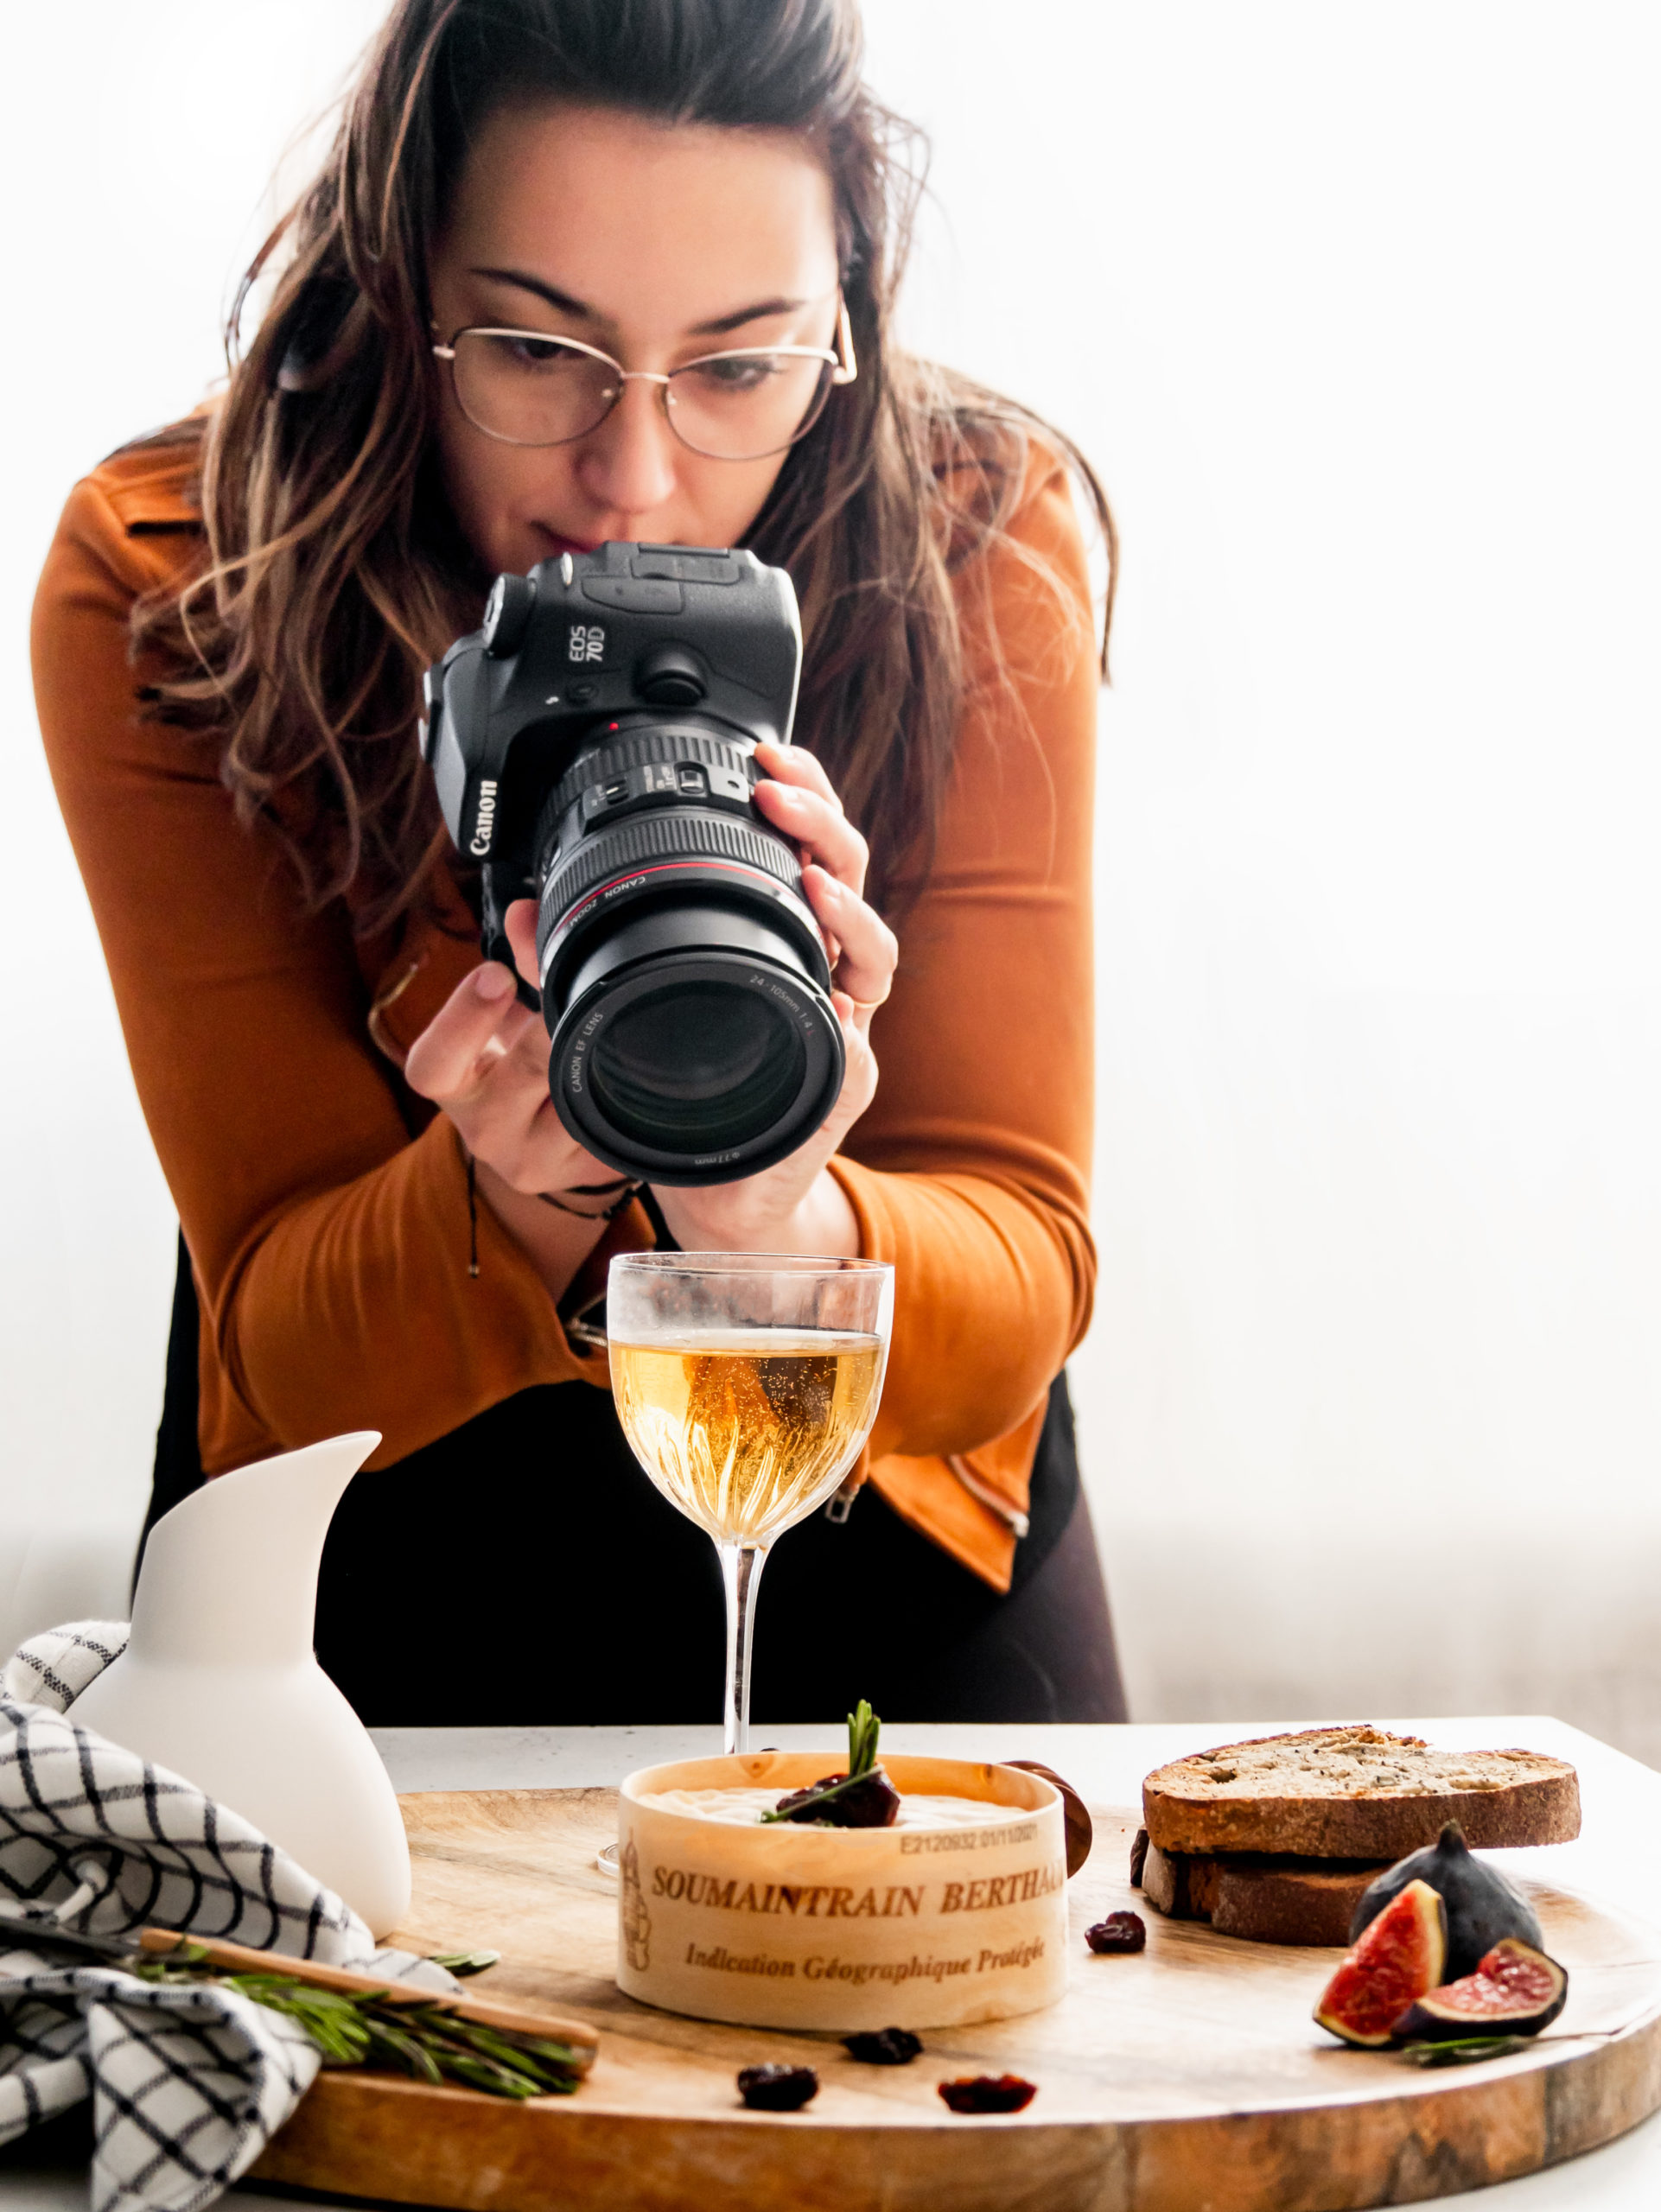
column 1188, row 2076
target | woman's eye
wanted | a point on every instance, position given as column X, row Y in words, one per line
column 748, row 373
column 525, row 351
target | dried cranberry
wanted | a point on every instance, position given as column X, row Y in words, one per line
column 883, row 2047
column 871, row 1803
column 1120, row 1931
column 989, row 2092
column 777, row 2088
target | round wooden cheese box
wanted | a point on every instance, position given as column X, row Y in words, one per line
column 944, row 1918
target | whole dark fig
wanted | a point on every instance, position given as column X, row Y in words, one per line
column 1482, row 1906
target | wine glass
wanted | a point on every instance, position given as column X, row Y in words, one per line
column 747, row 1383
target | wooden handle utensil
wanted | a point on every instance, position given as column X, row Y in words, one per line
column 511, row 2019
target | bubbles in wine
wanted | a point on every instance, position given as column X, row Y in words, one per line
column 746, row 1430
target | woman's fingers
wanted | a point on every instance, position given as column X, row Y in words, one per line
column 800, row 800
column 478, row 1024
column 793, row 764
column 868, row 951
column 484, row 1059
column 520, row 923
column 820, row 827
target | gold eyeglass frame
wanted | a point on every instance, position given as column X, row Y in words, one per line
column 844, row 369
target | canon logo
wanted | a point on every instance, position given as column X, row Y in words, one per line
column 485, row 821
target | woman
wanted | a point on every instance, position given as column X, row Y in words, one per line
column 385, row 1222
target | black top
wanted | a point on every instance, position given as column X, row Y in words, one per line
column 523, row 1569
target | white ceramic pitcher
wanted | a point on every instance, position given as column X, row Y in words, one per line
column 219, row 1682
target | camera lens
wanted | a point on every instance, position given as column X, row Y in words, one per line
column 685, row 981
column 705, row 1064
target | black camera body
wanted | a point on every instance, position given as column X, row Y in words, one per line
column 593, row 749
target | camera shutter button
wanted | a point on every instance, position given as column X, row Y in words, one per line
column 669, row 675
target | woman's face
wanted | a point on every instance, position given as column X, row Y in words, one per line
column 656, row 243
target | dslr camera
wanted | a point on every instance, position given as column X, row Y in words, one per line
column 593, row 747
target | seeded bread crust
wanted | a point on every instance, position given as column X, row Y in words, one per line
column 1260, row 1899
column 1356, row 1793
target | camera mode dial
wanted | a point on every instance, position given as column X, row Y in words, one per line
column 507, row 615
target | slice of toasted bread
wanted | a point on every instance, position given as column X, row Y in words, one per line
column 1260, row 1899
column 1356, row 1793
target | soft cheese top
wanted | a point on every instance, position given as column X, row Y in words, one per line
column 743, row 1807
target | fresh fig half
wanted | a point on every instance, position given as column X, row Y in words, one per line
column 1482, row 1906
column 1398, row 1960
column 1515, row 1990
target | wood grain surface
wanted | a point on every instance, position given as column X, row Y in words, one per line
column 1188, row 2076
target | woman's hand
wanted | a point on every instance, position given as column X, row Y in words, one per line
column 483, row 1058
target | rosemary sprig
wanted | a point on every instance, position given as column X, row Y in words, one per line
column 362, row 2029
column 465, row 1962
column 863, row 1730
column 1462, row 2051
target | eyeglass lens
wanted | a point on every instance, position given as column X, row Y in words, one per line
column 534, row 391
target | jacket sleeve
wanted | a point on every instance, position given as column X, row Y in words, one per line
column 969, row 1171
column 330, row 1242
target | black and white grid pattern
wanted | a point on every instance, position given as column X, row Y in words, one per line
column 187, row 2084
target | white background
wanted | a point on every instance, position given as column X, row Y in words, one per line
column 1356, row 309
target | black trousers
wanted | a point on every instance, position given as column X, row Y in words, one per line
column 523, row 1569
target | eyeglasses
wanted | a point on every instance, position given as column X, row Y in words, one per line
column 535, row 388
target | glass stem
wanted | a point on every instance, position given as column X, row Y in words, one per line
column 741, row 1574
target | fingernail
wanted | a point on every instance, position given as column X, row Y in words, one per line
column 491, row 981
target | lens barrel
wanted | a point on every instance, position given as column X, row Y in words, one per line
column 684, row 978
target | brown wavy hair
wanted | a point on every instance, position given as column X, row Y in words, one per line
column 334, row 572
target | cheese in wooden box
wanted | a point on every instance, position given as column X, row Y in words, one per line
column 957, row 1913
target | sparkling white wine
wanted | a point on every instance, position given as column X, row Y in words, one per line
column 746, row 1430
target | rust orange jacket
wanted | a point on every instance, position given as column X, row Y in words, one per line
column 325, row 1205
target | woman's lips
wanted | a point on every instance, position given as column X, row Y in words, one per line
column 557, row 543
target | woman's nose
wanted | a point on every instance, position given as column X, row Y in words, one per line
column 628, row 464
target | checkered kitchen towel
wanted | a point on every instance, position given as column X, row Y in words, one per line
column 187, row 2084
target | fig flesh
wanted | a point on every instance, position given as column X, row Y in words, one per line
column 1515, row 1990
column 1398, row 1960
column 1482, row 1906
